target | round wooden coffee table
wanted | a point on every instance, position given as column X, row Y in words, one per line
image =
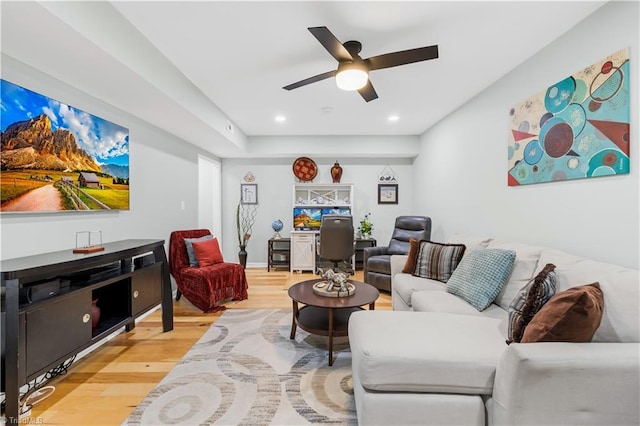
column 328, row 316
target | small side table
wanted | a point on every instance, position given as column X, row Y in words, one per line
column 278, row 253
column 361, row 244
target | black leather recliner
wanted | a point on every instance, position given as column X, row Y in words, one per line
column 377, row 260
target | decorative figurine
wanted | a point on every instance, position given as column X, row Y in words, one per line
column 337, row 281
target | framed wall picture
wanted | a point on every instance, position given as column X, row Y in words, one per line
column 577, row 128
column 387, row 193
column 248, row 193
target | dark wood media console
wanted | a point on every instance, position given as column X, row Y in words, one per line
column 46, row 314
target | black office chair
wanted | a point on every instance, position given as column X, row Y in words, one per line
column 377, row 260
column 336, row 242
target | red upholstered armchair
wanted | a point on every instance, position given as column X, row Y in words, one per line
column 208, row 285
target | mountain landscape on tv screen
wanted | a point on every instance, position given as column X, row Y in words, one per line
column 32, row 145
column 55, row 157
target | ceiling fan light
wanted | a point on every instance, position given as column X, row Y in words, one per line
column 350, row 76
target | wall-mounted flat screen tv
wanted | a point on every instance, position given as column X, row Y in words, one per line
column 56, row 157
column 307, row 218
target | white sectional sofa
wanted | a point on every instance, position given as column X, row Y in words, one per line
column 436, row 360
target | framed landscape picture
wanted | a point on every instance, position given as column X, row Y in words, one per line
column 56, row 157
column 388, row 193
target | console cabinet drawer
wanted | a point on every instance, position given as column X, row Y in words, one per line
column 56, row 329
column 146, row 288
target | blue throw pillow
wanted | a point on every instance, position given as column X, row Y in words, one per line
column 193, row 260
column 481, row 275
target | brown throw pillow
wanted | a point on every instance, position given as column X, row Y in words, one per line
column 572, row 315
column 410, row 264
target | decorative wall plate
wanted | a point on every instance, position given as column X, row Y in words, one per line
column 305, row 169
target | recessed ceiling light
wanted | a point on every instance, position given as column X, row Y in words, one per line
column 281, row 118
column 394, row 118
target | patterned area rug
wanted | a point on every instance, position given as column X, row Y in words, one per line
column 246, row 370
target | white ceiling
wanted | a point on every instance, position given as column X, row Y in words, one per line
column 199, row 64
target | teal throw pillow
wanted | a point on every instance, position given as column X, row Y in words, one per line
column 481, row 275
column 188, row 242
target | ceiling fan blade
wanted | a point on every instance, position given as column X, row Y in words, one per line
column 403, row 57
column 310, row 80
column 368, row 93
column 331, row 43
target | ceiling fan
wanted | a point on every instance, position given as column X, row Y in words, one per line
column 353, row 71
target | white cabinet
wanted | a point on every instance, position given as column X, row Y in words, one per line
column 323, row 195
column 313, row 200
column 303, row 251
column 310, row 202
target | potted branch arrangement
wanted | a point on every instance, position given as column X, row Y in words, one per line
column 245, row 218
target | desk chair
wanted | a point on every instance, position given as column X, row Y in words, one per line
column 336, row 242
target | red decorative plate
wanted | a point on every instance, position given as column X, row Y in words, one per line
column 305, row 169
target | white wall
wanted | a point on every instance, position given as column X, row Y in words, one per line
column 275, row 181
column 460, row 173
column 163, row 171
column 209, row 194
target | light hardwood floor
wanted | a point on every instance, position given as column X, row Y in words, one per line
column 104, row 387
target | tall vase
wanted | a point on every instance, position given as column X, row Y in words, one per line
column 336, row 172
column 242, row 256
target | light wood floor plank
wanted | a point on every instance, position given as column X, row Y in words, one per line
column 104, row 387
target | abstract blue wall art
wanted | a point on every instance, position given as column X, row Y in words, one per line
column 577, row 128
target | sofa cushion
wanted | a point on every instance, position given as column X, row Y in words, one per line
column 470, row 241
column 437, row 261
column 404, row 285
column 480, row 276
column 572, row 315
column 441, row 352
column 526, row 263
column 380, row 264
column 529, row 301
column 621, row 316
column 441, row 301
column 188, row 242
